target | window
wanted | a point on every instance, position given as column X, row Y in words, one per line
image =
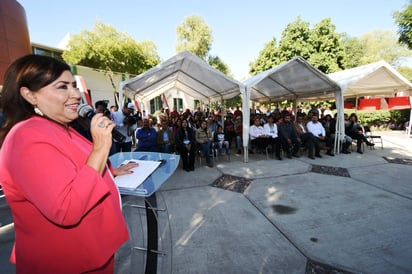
column 155, row 104
column 47, row 52
column 178, row 103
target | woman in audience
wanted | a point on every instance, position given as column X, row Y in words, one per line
column 355, row 131
column 185, row 143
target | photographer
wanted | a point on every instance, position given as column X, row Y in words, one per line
column 125, row 124
column 101, row 107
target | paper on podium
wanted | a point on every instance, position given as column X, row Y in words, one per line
column 139, row 175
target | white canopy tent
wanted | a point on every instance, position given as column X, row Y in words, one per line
column 375, row 79
column 184, row 72
column 295, row 79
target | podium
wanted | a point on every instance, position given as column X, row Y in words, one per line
column 149, row 248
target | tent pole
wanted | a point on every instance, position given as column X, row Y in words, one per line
column 356, row 104
column 245, row 121
column 223, row 111
column 408, row 130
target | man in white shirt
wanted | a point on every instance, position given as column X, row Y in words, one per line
column 258, row 137
column 319, row 133
column 305, row 136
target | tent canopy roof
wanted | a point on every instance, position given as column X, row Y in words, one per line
column 295, row 79
column 377, row 78
column 185, row 72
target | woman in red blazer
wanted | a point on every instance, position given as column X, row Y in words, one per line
column 66, row 208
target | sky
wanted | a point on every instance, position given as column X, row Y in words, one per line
column 240, row 29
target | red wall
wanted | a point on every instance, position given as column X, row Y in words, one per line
column 14, row 34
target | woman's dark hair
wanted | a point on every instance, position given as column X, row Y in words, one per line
column 353, row 115
column 33, row 72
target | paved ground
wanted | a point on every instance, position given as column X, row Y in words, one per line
column 291, row 218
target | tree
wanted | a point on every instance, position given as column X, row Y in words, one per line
column 195, row 36
column 354, row 50
column 107, row 49
column 320, row 46
column 327, row 53
column 268, row 58
column 404, row 21
column 382, row 45
column 218, row 64
column 406, row 72
column 295, row 41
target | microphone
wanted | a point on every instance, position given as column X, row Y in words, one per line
column 86, row 112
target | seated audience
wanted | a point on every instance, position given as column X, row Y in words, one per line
column 318, row 131
column 305, row 136
column 229, row 128
column 258, row 137
column 166, row 138
column 346, row 140
column 355, row 131
column 185, row 144
column 146, row 137
column 289, row 137
column 271, row 130
column 239, row 134
column 220, row 140
column 204, row 139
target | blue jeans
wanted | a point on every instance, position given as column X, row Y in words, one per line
column 205, row 149
column 238, row 143
column 166, row 148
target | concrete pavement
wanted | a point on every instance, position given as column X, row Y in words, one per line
column 290, row 218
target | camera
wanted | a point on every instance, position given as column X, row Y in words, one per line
column 129, row 120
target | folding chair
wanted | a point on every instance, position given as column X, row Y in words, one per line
column 371, row 137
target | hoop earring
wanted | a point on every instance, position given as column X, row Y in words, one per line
column 38, row 111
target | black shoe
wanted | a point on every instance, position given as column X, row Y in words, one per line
column 318, row 155
column 311, row 157
column 280, row 158
column 239, row 152
column 370, row 144
column 296, row 155
column 345, row 152
column 359, row 151
column 330, row 153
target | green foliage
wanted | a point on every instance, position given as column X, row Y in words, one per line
column 406, row 72
column 399, row 117
column 354, row 50
column 382, row 45
column 327, row 54
column 218, row 64
column 107, row 49
column 267, row 58
column 320, row 46
column 404, row 21
column 295, row 41
column 233, row 102
column 195, row 36
column 381, row 118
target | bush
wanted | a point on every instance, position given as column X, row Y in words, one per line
column 380, row 119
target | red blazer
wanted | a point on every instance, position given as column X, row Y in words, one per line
column 67, row 217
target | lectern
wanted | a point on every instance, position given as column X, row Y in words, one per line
column 149, row 247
